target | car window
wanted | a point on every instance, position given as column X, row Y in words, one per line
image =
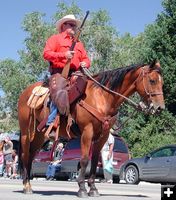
column 73, row 144
column 119, row 146
column 164, row 152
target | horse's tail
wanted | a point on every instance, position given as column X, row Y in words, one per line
column 20, row 163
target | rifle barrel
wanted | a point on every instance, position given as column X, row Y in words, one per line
column 79, row 31
column 82, row 24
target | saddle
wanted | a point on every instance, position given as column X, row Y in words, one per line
column 38, row 96
column 63, row 93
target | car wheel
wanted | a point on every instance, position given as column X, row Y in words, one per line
column 131, row 175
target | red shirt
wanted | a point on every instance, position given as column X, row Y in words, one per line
column 55, row 49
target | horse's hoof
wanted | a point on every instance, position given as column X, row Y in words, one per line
column 82, row 194
column 27, row 191
column 93, row 193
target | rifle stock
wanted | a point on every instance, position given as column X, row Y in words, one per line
column 66, row 68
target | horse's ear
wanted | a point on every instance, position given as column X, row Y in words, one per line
column 155, row 63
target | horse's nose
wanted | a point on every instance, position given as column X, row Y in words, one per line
column 160, row 108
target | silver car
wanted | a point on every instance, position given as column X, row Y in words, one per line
column 159, row 166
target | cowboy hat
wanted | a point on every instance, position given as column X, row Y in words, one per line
column 66, row 19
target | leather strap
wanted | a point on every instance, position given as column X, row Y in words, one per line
column 107, row 121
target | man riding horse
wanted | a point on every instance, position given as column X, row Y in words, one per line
column 58, row 52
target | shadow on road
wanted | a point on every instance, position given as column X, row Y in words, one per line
column 49, row 193
column 124, row 195
column 70, row 193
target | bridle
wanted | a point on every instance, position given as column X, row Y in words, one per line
column 147, row 88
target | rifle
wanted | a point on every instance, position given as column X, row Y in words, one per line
column 66, row 68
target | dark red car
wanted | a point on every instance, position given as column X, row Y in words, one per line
column 71, row 159
column 43, row 158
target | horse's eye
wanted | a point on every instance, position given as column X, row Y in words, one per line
column 152, row 82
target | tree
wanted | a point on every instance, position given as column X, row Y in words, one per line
column 31, row 58
column 146, row 133
column 100, row 36
column 160, row 42
column 13, row 79
column 127, row 50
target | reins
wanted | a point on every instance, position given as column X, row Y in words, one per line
column 139, row 106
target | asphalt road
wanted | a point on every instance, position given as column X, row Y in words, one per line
column 64, row 190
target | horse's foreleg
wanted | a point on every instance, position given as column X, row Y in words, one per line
column 97, row 146
column 93, row 192
column 27, row 189
column 81, row 178
column 86, row 140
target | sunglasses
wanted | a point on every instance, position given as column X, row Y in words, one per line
column 70, row 24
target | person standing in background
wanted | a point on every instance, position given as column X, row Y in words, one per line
column 1, row 158
column 14, row 164
column 7, row 151
column 56, row 164
column 107, row 159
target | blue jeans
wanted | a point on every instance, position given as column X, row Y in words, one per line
column 51, row 170
column 1, row 169
column 53, row 113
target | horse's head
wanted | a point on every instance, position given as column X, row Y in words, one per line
column 149, row 85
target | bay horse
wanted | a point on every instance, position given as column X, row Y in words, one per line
column 93, row 115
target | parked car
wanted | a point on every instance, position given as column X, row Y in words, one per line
column 71, row 159
column 159, row 166
column 42, row 159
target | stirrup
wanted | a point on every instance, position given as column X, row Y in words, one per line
column 48, row 131
column 53, row 129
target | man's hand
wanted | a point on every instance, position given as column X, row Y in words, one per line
column 83, row 64
column 69, row 54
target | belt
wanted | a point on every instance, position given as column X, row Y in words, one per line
column 53, row 70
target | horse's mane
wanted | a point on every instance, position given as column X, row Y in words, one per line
column 114, row 78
